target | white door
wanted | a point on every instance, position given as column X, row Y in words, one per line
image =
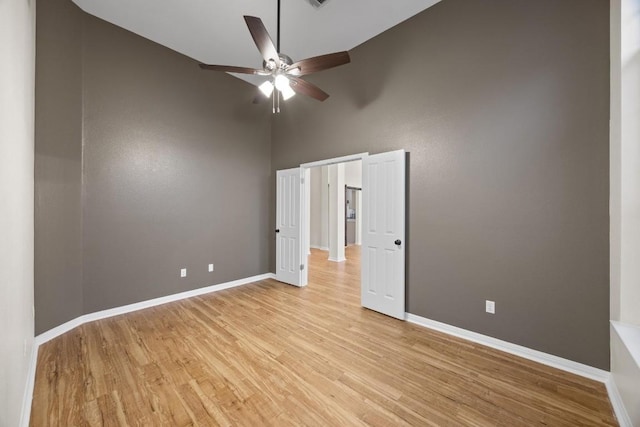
column 383, row 240
column 289, row 267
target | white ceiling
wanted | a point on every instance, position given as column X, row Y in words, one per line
column 214, row 32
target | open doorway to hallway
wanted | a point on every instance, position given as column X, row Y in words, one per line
column 383, row 177
column 334, row 225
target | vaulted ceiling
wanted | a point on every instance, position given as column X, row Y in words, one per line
column 214, row 32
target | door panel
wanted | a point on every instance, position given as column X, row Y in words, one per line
column 288, row 229
column 383, row 216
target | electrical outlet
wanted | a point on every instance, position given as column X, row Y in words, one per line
column 210, row 268
column 490, row 307
column 183, row 272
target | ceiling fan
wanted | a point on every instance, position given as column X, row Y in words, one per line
column 283, row 74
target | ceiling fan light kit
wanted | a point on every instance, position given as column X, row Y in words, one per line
column 283, row 74
column 266, row 88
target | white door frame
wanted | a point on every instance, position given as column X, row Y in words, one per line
column 304, row 207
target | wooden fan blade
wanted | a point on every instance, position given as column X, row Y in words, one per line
column 305, row 88
column 319, row 63
column 262, row 39
column 232, row 69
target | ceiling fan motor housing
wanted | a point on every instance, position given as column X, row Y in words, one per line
column 285, row 61
column 317, row 3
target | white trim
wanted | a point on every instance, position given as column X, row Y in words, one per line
column 617, row 403
column 515, row 349
column 630, row 337
column 25, row 417
column 320, row 248
column 65, row 327
column 59, row 330
column 343, row 159
column 337, row 259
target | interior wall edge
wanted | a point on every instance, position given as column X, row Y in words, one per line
column 58, row 169
column 17, row 100
column 625, row 372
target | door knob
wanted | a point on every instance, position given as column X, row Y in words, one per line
column 398, row 242
column 277, row 230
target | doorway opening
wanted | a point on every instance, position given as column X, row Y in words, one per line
column 353, row 215
column 382, row 265
column 334, row 206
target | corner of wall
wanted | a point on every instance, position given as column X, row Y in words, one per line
column 624, row 390
column 17, row 76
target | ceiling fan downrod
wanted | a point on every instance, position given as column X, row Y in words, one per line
column 278, row 34
column 276, row 93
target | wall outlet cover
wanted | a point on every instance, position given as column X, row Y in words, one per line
column 490, row 307
column 183, row 272
column 210, row 268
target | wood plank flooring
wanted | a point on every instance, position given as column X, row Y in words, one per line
column 272, row 354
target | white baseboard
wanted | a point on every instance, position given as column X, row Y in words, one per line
column 25, row 416
column 515, row 349
column 630, row 337
column 65, row 327
column 337, row 259
column 618, row 404
column 320, row 248
column 627, row 337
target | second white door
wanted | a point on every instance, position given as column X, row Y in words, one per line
column 383, row 233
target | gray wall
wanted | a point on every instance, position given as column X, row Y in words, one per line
column 58, row 164
column 176, row 169
column 503, row 106
column 172, row 170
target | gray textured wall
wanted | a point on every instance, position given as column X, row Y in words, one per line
column 58, row 164
column 164, row 165
column 176, row 169
column 503, row 106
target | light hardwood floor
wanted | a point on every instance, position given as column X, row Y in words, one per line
column 272, row 354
